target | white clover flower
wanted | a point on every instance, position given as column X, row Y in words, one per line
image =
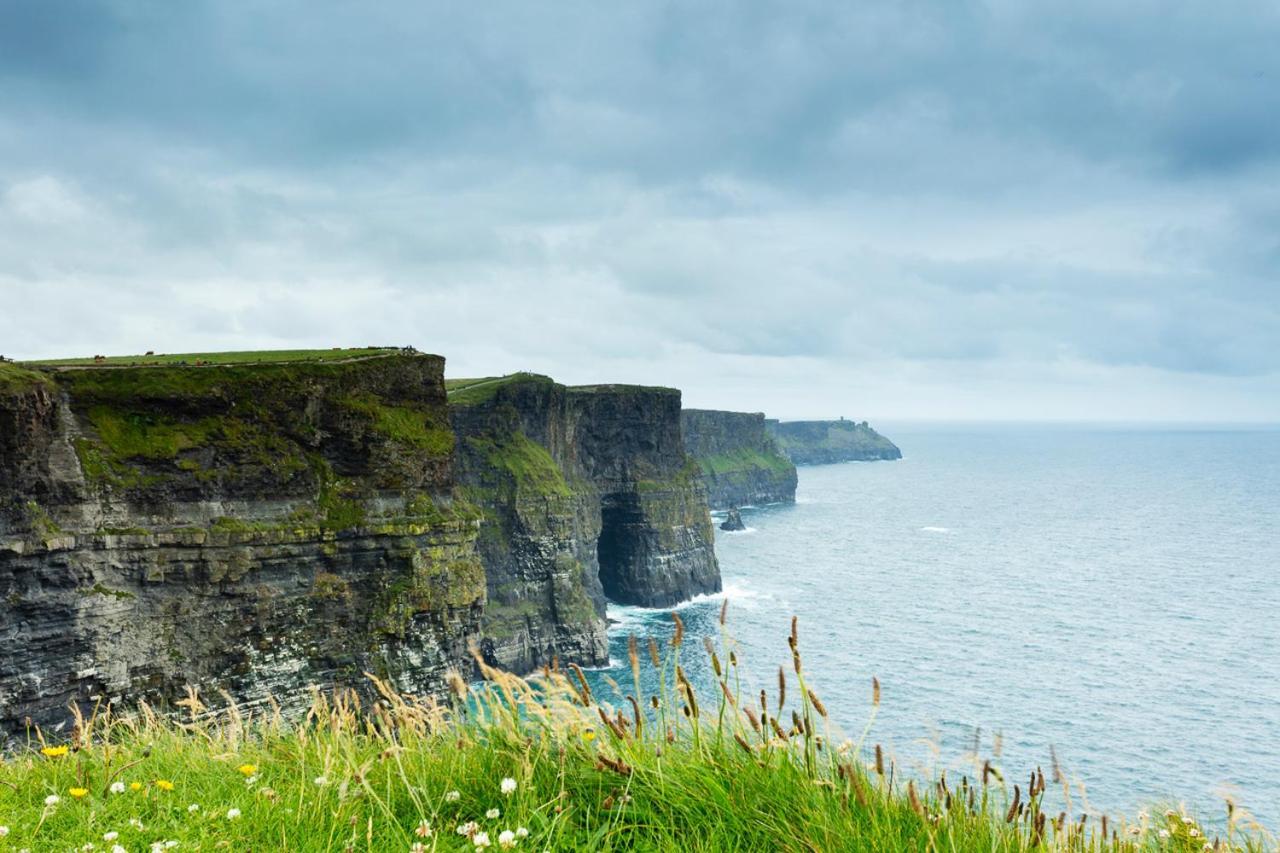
column 469, row 828
column 1164, row 833
column 493, row 814
column 321, row 781
column 480, row 839
column 4, row 830
column 110, row 836
column 423, row 829
column 118, row 849
column 1194, row 833
column 117, row 787
column 232, row 814
column 452, row 797
column 52, row 800
column 86, row 847
column 418, row 847
column 506, row 839
column 508, row 786
column 521, row 832
column 193, row 808
column 135, row 823
column 250, row 781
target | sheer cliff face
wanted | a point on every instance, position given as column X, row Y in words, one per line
column 586, row 492
column 825, row 442
column 256, row 529
column 740, row 462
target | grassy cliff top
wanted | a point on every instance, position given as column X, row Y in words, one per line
column 468, row 392
column 15, row 379
column 220, row 358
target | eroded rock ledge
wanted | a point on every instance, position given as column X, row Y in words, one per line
column 741, row 463
column 586, row 493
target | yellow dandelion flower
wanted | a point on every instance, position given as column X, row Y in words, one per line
column 589, row 735
column 54, row 751
column 78, row 792
column 135, row 786
column 164, row 784
column 248, row 769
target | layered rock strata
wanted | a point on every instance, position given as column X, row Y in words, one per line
column 740, row 462
column 587, row 493
column 257, row 529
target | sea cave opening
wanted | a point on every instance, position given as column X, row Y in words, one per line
column 619, row 548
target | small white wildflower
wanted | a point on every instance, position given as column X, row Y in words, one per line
column 193, row 808
column 468, row 829
column 169, row 845
column 521, row 832
column 157, row 847
column 418, row 847
column 117, row 787
column 1194, row 833
column 4, row 830
column 86, row 848
column 480, row 839
column 423, row 829
column 250, row 781
column 493, row 814
column 508, row 786
column 135, row 823
column 110, row 836
column 452, row 797
column 118, row 849
column 321, row 781
column 52, row 800
column 1164, row 833
column 232, row 814
column 506, row 839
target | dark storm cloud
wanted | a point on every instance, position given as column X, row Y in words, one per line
column 911, row 183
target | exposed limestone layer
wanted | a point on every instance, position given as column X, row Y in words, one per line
column 256, row 528
column 825, row 442
column 586, row 492
column 741, row 463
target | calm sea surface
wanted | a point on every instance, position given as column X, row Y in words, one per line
column 1109, row 592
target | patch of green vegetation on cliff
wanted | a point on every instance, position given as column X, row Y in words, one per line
column 415, row 426
column 744, row 459
column 16, row 380
column 42, row 524
column 440, row 578
column 527, row 463
column 217, row 358
column 469, row 392
column 130, row 435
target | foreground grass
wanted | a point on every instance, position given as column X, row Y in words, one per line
column 539, row 764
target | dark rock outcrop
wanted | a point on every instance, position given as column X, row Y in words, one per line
column 825, row 442
column 586, row 493
column 257, row 529
column 733, row 521
column 741, row 463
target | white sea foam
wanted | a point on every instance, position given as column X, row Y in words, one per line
column 935, row 530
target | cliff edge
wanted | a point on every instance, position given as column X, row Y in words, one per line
column 824, row 442
column 740, row 461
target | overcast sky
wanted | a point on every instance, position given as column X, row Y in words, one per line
column 884, row 210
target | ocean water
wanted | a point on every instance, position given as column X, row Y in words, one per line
column 1112, row 594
